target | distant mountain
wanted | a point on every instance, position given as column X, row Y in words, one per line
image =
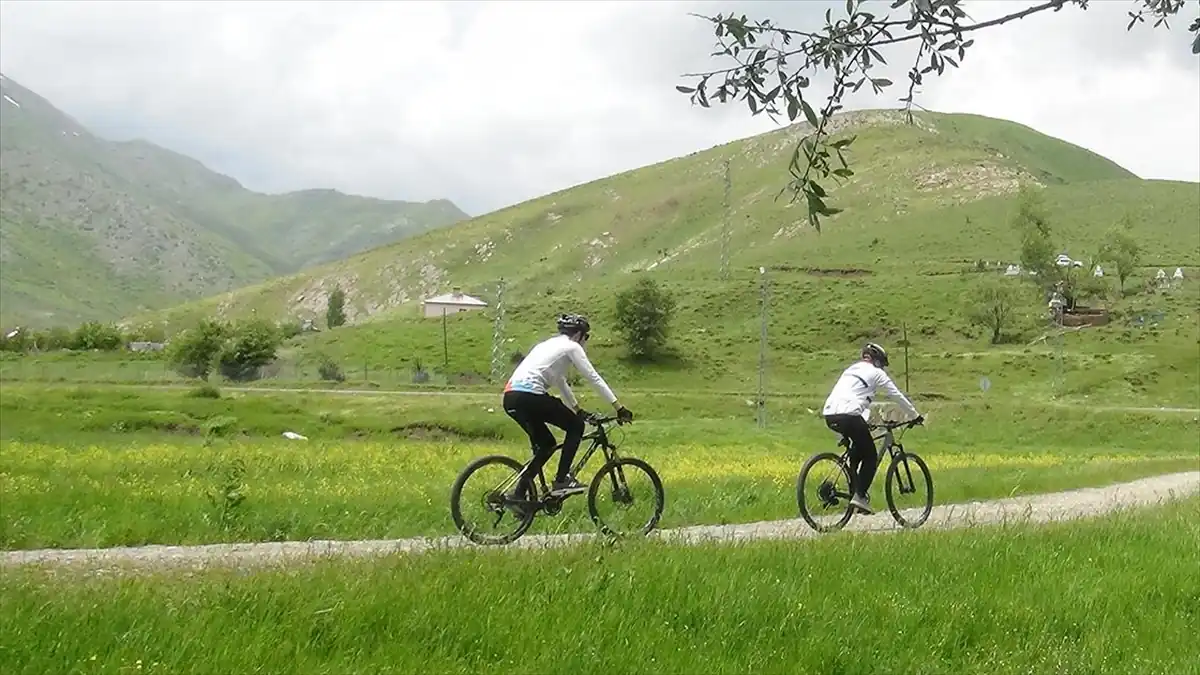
column 91, row 228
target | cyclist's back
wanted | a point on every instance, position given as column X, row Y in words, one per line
column 855, row 390
column 546, row 365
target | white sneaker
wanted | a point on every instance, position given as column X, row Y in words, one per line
column 859, row 502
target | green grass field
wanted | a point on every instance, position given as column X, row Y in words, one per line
column 87, row 467
column 1115, row 595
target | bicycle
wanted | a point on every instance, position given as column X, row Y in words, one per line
column 899, row 477
column 497, row 502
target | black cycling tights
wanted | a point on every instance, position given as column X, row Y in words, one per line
column 863, row 461
column 533, row 412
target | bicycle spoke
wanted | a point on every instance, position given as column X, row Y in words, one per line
column 823, row 493
column 626, row 498
column 481, row 506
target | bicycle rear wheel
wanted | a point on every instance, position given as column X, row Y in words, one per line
column 823, row 492
column 498, row 474
column 635, row 488
column 905, row 486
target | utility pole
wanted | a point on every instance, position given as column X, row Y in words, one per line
column 762, row 351
column 498, row 333
column 725, row 234
column 445, row 344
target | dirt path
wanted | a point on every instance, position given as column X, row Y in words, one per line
column 489, row 395
column 1072, row 504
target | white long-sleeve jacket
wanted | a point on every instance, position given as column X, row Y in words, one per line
column 546, row 364
column 854, row 390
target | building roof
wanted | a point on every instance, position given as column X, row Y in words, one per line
column 456, row 299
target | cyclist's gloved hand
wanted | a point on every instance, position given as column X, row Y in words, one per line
column 623, row 414
column 583, row 414
column 920, row 420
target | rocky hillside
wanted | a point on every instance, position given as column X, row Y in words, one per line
column 91, row 228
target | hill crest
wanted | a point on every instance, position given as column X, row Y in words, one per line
column 94, row 228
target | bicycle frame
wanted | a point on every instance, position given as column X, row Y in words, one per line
column 599, row 441
column 891, row 445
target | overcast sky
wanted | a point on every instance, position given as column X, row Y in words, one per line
column 493, row 103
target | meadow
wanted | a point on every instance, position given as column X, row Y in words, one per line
column 98, row 466
column 1111, row 595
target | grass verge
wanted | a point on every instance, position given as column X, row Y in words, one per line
column 1113, row 595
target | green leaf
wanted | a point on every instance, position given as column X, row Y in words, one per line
column 843, row 173
column 793, row 108
column 881, row 82
column 816, row 189
column 815, row 204
column 809, row 114
column 684, row 90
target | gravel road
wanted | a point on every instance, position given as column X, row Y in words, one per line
column 1072, row 504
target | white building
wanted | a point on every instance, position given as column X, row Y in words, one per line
column 452, row 303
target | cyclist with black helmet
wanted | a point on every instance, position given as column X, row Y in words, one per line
column 528, row 402
column 848, row 408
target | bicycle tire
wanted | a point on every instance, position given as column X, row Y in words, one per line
column 456, row 497
column 660, row 496
column 800, row 480
column 893, row 474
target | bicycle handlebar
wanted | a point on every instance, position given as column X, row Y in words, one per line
column 597, row 420
column 891, row 426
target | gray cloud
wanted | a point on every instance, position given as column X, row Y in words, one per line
column 493, row 103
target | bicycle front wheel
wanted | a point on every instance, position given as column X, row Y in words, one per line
column 823, row 492
column 909, row 490
column 489, row 517
column 635, row 493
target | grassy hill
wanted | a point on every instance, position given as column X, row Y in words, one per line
column 97, row 229
column 926, row 203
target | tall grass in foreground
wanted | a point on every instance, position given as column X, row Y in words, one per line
column 1116, row 595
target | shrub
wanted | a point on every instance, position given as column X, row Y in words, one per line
column 194, row 351
column 95, row 335
column 205, row 391
column 251, row 346
column 329, row 370
column 644, row 318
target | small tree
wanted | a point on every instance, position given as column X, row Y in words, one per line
column 993, row 305
column 56, row 337
column 251, row 346
column 147, row 332
column 1122, row 250
column 194, row 351
column 335, row 310
column 96, row 335
column 644, row 317
column 1037, row 241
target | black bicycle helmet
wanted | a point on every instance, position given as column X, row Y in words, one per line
column 569, row 324
column 877, row 354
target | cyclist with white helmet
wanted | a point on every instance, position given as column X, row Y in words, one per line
column 527, row 401
column 848, row 408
